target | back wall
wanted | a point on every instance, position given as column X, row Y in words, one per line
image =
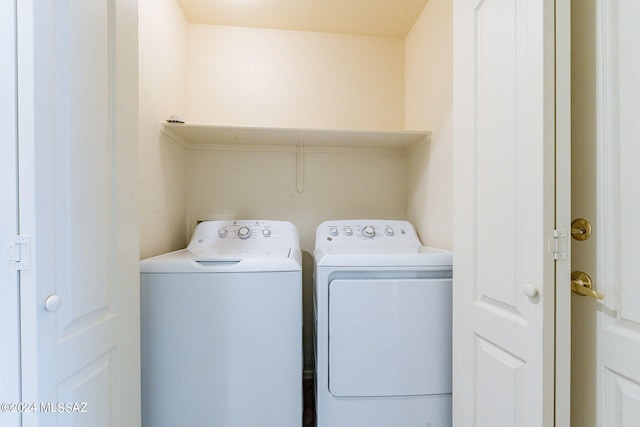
column 264, row 77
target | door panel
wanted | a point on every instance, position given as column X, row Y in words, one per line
column 78, row 154
column 503, row 406
column 84, row 161
column 499, row 152
column 623, row 401
column 504, row 212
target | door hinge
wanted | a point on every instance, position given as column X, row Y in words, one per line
column 558, row 244
column 20, row 252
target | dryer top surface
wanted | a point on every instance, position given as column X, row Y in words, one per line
column 374, row 243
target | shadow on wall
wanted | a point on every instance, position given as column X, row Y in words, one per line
column 307, row 311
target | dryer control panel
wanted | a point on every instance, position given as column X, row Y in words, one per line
column 366, row 232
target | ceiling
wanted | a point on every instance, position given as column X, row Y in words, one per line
column 384, row 18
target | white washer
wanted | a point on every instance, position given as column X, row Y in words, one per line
column 221, row 326
column 383, row 326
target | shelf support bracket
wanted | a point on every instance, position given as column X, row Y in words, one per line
column 300, row 165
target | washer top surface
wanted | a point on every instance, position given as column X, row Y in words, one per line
column 374, row 243
column 238, row 245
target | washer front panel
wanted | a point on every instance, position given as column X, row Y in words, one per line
column 389, row 337
column 214, row 345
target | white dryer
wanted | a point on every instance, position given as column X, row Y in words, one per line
column 221, row 327
column 383, row 326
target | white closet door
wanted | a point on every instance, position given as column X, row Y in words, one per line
column 504, row 213
column 617, row 230
column 78, row 161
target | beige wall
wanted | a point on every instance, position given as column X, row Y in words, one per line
column 263, row 77
column 263, row 185
column 247, row 76
column 163, row 92
column 428, row 103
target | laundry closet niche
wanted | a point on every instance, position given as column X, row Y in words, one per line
column 237, row 76
column 299, row 82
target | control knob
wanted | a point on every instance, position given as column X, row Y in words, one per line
column 368, row 231
column 244, row 232
column 222, row 232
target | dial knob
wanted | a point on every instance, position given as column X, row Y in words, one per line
column 333, row 231
column 348, row 231
column 388, row 231
column 368, row 231
column 244, row 232
column 222, row 232
column 266, row 232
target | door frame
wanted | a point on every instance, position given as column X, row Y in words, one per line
column 10, row 391
column 563, row 212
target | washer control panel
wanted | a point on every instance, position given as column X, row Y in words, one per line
column 353, row 232
column 242, row 233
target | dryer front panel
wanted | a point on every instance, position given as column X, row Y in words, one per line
column 389, row 337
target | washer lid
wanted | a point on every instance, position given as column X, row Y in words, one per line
column 221, row 260
column 238, row 254
column 233, row 246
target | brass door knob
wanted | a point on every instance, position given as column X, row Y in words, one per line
column 582, row 285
